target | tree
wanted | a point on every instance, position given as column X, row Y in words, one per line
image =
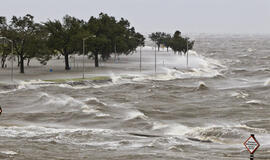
column 158, row 38
column 180, row 44
column 166, row 40
column 5, row 47
column 101, row 44
column 112, row 36
column 5, row 50
column 22, row 31
column 66, row 37
column 37, row 46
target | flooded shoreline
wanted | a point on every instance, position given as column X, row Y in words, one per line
column 205, row 111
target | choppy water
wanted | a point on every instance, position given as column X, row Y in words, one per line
column 204, row 112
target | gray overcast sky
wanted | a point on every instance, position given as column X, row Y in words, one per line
column 188, row 16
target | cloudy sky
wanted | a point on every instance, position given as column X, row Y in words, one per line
column 188, row 16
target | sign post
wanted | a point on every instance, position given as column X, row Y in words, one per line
column 252, row 145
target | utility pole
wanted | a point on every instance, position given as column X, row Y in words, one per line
column 187, row 53
column 84, row 51
column 12, row 59
column 155, row 58
column 140, row 58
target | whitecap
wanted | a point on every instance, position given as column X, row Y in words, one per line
column 9, row 152
column 240, row 94
column 133, row 114
column 32, row 84
column 159, row 125
column 96, row 100
column 217, row 134
column 177, row 130
column 202, row 86
column 254, row 102
column 32, row 131
column 267, row 82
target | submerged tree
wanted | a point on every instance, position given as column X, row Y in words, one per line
column 5, row 50
column 166, row 40
column 180, row 44
column 23, row 31
column 41, row 41
column 111, row 36
column 66, row 37
column 177, row 42
column 158, row 38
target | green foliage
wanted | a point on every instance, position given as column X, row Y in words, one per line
column 42, row 41
column 112, row 36
column 180, row 44
column 177, row 42
column 158, row 38
column 5, row 50
column 66, row 37
column 25, row 35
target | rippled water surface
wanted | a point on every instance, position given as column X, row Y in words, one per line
column 205, row 111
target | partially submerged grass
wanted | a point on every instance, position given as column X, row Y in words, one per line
column 98, row 78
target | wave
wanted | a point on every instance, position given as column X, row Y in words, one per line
column 202, row 86
column 32, row 84
column 135, row 114
column 63, row 103
column 79, row 136
column 228, row 134
column 61, row 100
column 240, row 94
column 267, row 82
column 177, row 129
column 159, row 125
column 246, row 128
column 251, row 50
column 34, row 131
column 19, row 85
column 223, row 134
column 7, row 91
column 200, row 67
column 95, row 101
column 215, row 134
column 255, row 102
column 9, row 152
column 90, row 110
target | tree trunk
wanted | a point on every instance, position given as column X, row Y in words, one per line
column 3, row 61
column 167, row 49
column 158, row 47
column 96, row 59
column 18, row 57
column 28, row 62
column 21, row 64
column 66, row 62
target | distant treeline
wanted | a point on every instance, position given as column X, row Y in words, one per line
column 177, row 43
column 103, row 36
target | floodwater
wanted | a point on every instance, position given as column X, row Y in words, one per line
column 203, row 111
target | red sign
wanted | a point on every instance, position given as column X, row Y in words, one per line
column 251, row 144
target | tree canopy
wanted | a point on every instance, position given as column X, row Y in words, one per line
column 43, row 40
column 177, row 43
column 103, row 35
column 24, row 33
column 112, row 36
column 65, row 38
